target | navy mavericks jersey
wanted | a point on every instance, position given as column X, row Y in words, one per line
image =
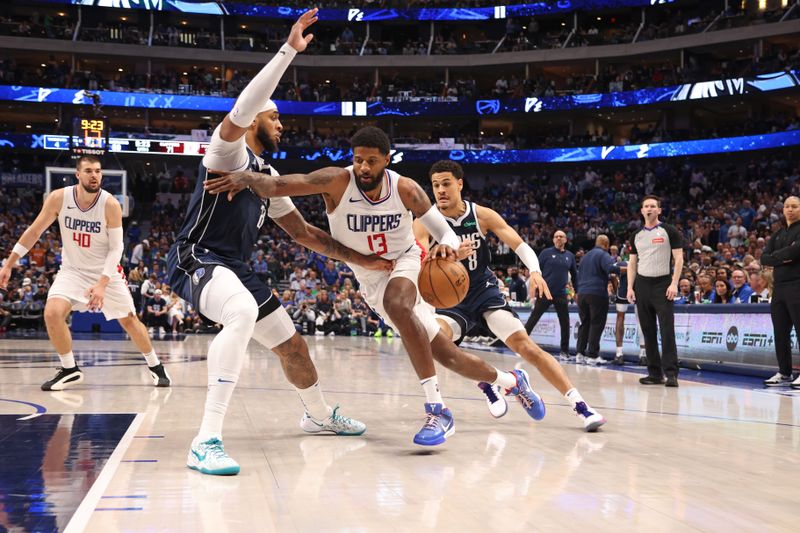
column 229, row 229
column 477, row 264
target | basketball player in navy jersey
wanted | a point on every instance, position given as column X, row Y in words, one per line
column 90, row 277
column 369, row 208
column 484, row 304
column 207, row 266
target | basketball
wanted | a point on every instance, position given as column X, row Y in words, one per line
column 443, row 283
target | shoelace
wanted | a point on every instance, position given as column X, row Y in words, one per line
column 431, row 422
column 581, row 409
column 336, row 418
column 525, row 400
column 488, row 390
column 215, row 448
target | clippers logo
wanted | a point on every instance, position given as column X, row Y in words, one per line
column 533, row 103
column 487, row 107
column 732, row 338
column 355, row 15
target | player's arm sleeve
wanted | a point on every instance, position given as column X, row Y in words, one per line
column 115, row 244
column 225, row 156
column 439, row 229
column 252, row 99
column 528, row 257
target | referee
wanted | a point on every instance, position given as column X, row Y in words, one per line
column 653, row 289
column 783, row 253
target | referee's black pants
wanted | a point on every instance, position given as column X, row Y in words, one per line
column 652, row 304
column 785, row 311
column 593, row 311
column 541, row 305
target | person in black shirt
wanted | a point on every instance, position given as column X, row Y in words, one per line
column 157, row 312
column 557, row 264
column 783, row 253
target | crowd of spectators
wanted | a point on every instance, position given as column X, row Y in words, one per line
column 724, row 212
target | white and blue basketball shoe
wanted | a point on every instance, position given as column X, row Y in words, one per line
column 530, row 401
column 439, row 425
column 209, row 457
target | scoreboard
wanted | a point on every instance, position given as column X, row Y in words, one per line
column 89, row 137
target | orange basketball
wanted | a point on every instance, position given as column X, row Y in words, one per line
column 443, row 283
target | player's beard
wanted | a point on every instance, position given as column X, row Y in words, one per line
column 373, row 184
column 266, row 140
column 90, row 189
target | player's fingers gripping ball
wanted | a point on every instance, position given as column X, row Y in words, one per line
column 443, row 283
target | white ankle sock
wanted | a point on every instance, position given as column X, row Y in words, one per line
column 431, row 388
column 314, row 402
column 619, row 351
column 67, row 360
column 507, row 380
column 151, row 358
column 573, row 396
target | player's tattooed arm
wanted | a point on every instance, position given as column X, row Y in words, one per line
column 323, row 181
column 323, row 243
column 413, row 196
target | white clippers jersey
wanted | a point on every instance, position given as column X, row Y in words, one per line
column 380, row 227
column 84, row 232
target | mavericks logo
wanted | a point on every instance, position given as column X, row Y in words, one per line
column 198, row 275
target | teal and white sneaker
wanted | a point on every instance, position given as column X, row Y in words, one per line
column 336, row 424
column 209, row 457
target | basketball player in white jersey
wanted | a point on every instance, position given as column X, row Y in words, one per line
column 369, row 209
column 484, row 304
column 90, row 277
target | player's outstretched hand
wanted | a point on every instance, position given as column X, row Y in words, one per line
column 296, row 38
column 443, row 251
column 96, row 294
column 232, row 183
column 5, row 275
column 539, row 286
column 465, row 249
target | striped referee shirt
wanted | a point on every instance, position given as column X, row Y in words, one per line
column 653, row 248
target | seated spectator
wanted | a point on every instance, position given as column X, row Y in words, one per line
column 722, row 293
column 358, row 316
column 741, row 289
column 686, row 294
column 176, row 313
column 376, row 327
column 157, row 313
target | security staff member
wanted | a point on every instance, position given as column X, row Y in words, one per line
column 593, row 299
column 783, row 253
column 650, row 286
column 557, row 264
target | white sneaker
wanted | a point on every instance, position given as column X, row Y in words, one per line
column 778, row 380
column 796, row 383
column 596, row 360
column 319, row 333
column 580, row 359
column 209, row 457
column 564, row 356
column 336, row 424
column 495, row 399
column 592, row 420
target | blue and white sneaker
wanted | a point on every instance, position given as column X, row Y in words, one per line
column 498, row 406
column 530, row 401
column 209, row 457
column 592, row 420
column 438, row 426
column 336, row 424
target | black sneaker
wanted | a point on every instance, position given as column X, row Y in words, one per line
column 642, row 361
column 618, row 360
column 65, row 377
column 159, row 375
column 672, row 381
column 652, row 380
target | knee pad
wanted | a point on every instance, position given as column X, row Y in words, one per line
column 502, row 323
column 455, row 327
column 274, row 329
column 225, row 300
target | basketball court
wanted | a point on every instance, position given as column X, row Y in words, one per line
column 109, row 454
